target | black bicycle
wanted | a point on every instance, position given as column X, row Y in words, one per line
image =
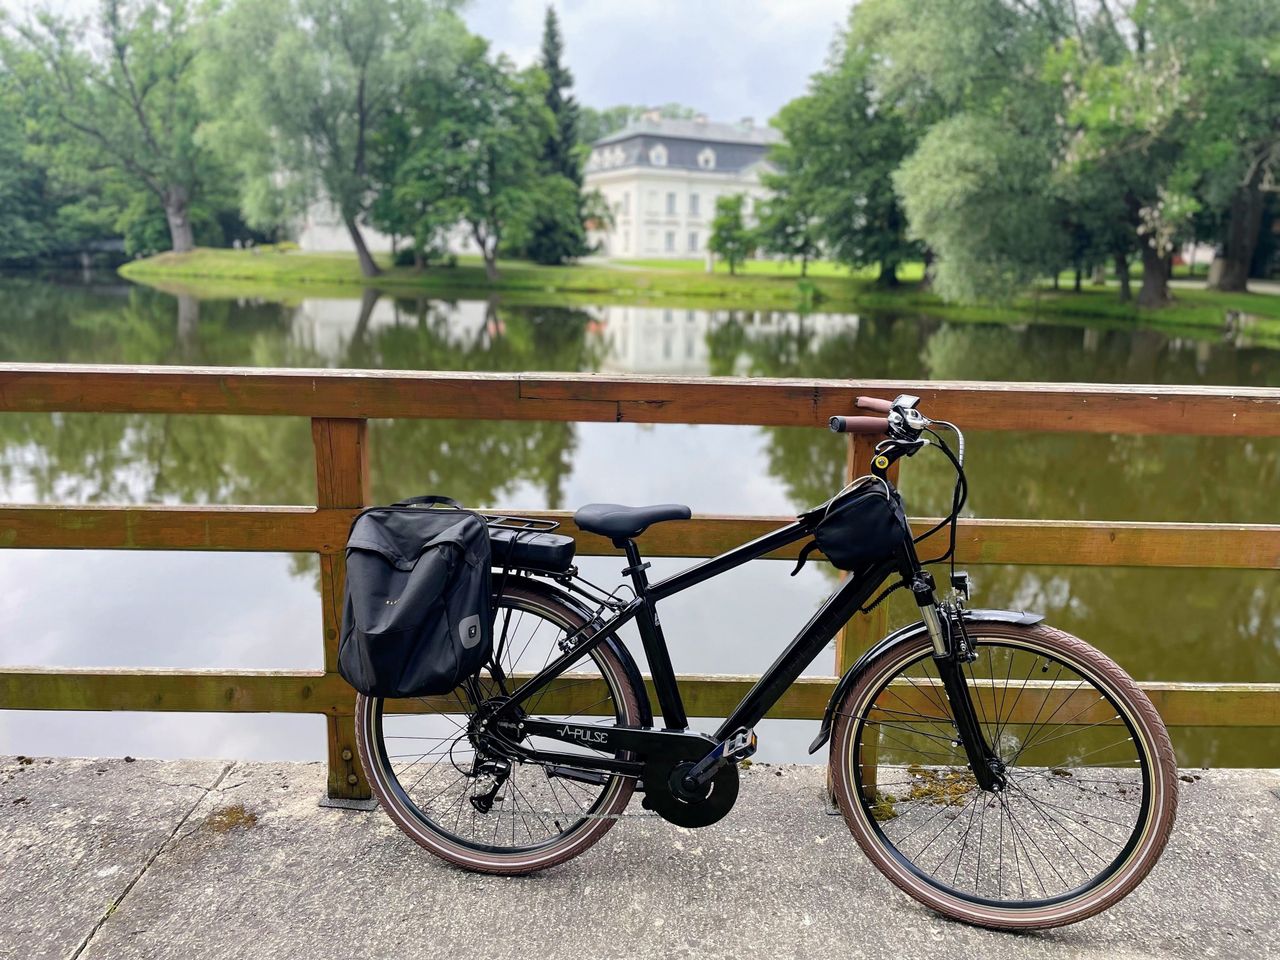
column 998, row 770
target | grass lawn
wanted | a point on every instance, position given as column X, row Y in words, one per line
column 288, row 274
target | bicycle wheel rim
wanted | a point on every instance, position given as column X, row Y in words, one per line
column 522, row 823
column 1142, row 823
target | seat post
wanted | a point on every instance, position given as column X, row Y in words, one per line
column 636, row 565
column 655, row 643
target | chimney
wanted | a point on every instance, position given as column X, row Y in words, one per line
column 700, row 119
column 651, row 116
column 747, row 123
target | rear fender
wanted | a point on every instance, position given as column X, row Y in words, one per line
column 909, row 632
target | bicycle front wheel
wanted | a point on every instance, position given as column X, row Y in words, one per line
column 1091, row 779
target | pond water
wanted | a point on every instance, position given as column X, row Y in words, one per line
column 196, row 610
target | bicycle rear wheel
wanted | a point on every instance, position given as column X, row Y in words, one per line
column 1092, row 781
column 483, row 813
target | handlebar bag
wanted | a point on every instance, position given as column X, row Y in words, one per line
column 857, row 527
column 417, row 619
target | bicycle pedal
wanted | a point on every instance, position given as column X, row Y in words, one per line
column 740, row 745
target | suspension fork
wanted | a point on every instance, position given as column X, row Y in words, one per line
column 951, row 651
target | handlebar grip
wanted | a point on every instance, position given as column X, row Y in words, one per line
column 870, row 425
column 874, row 403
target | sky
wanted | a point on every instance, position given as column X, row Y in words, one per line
column 728, row 58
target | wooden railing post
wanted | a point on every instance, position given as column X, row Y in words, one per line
column 342, row 480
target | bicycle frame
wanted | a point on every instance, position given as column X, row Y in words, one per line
column 852, row 594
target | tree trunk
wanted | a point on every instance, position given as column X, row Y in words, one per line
column 1230, row 271
column 188, row 325
column 1122, row 274
column 1155, row 278
column 804, row 265
column 491, row 262
column 1079, row 278
column 888, row 274
column 367, row 266
column 419, row 261
column 176, row 211
column 929, row 271
column 1055, row 280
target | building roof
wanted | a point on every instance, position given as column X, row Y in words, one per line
column 683, row 145
column 700, row 129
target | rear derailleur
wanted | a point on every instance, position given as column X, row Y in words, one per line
column 490, row 776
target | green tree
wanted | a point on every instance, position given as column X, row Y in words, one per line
column 115, row 99
column 303, row 86
column 556, row 230
column 27, row 212
column 842, row 142
column 789, row 221
column 1229, row 52
column 731, row 239
column 469, row 159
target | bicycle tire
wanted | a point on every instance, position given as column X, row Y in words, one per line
column 516, row 858
column 859, row 743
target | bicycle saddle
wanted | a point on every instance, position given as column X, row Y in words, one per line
column 620, row 523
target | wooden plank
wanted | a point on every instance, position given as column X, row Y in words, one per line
column 342, row 481
column 1044, row 542
column 275, row 691
column 1112, row 543
column 324, row 530
column 359, row 394
column 250, row 528
column 195, row 691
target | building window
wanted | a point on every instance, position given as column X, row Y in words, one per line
column 671, row 204
column 693, row 205
column 626, row 204
column 707, row 159
column 626, row 243
column 670, row 243
column 653, row 202
column 658, row 156
column 693, row 241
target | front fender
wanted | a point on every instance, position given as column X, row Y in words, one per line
column 908, row 632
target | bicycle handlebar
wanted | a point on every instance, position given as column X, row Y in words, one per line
column 875, row 403
column 869, row 425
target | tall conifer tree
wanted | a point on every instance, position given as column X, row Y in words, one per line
column 556, row 232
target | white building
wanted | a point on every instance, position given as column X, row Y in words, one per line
column 661, row 179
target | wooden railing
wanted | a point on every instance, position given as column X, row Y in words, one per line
column 339, row 404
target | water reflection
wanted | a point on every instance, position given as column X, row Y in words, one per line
column 1173, row 625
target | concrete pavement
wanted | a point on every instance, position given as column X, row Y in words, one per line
column 204, row 859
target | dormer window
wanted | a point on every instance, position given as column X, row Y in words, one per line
column 707, row 159
column 658, row 156
column 616, row 157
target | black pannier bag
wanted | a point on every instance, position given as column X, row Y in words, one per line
column 857, row 526
column 417, row 619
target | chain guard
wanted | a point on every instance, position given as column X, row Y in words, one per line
column 659, row 796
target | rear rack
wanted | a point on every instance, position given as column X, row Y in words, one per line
column 501, row 521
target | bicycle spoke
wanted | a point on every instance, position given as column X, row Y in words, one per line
column 1029, row 841
column 497, row 803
